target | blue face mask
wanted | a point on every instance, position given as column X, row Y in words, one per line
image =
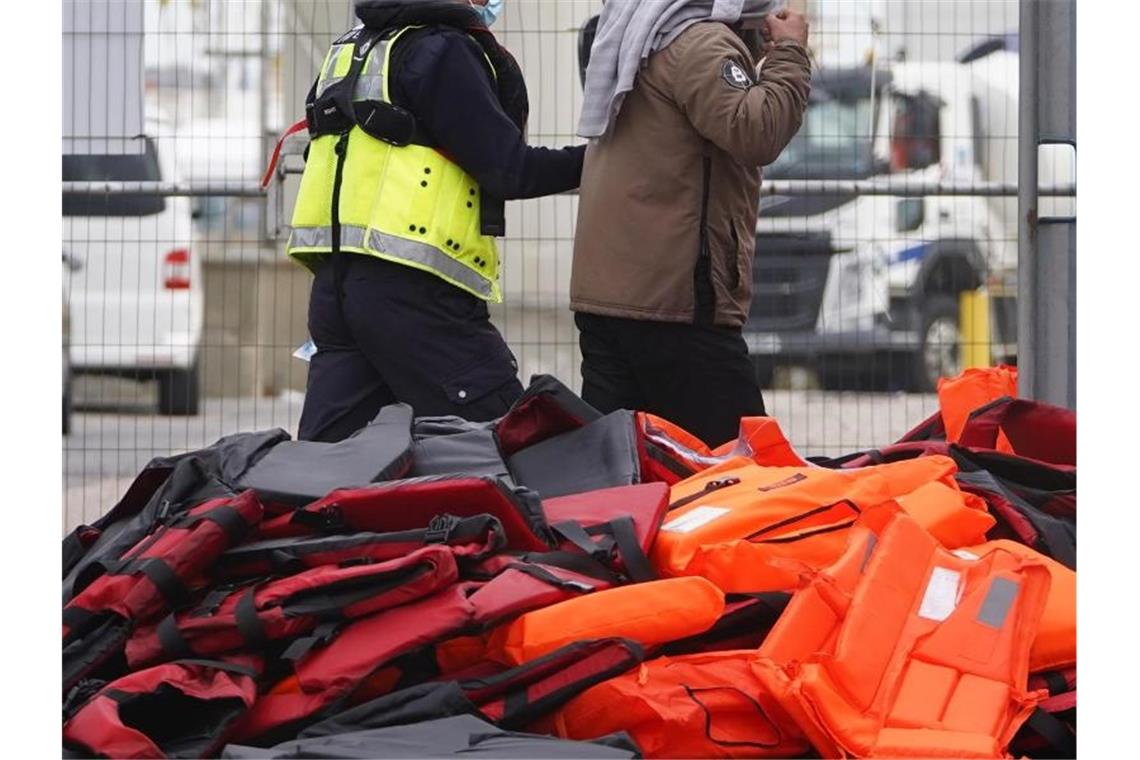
column 489, row 12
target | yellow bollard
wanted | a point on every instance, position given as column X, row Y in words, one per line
column 974, row 328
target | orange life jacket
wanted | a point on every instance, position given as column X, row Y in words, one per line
column 670, row 453
column 1055, row 646
column 974, row 388
column 903, row 649
column 699, row 705
column 735, row 522
column 649, row 613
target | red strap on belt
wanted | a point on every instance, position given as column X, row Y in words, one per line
column 302, row 124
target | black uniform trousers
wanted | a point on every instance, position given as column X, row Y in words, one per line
column 388, row 332
column 699, row 377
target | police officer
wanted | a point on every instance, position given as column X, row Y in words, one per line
column 417, row 122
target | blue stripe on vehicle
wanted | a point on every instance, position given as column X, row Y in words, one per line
column 910, row 254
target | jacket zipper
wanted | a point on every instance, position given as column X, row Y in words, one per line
column 704, row 297
column 341, row 151
column 804, row 516
column 712, row 485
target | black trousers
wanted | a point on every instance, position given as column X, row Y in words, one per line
column 387, row 332
column 695, row 376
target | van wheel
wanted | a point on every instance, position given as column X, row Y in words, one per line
column 178, row 392
column 939, row 353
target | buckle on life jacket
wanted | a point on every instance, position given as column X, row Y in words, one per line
column 439, row 528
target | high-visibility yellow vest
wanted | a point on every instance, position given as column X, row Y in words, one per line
column 402, row 203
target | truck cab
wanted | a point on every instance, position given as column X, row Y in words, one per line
column 856, row 284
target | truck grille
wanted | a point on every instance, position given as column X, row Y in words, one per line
column 788, row 278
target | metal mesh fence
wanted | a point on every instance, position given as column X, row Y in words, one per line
column 885, row 255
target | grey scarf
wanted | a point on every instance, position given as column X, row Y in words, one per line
column 629, row 31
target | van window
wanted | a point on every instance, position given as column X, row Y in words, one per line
column 915, row 132
column 141, row 167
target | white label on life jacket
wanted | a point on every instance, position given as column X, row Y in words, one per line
column 941, row 595
column 690, row 521
column 963, row 554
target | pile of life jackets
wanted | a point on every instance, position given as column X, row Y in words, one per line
column 562, row 583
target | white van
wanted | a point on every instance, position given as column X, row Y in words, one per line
column 136, row 304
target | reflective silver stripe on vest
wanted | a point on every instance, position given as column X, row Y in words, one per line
column 412, row 251
column 327, row 79
column 370, row 85
column 431, row 257
column 321, row 237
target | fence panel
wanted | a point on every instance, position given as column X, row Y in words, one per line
column 892, row 211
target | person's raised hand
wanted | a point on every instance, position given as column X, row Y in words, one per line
column 786, row 25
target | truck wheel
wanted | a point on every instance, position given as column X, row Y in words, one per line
column 939, row 353
column 178, row 392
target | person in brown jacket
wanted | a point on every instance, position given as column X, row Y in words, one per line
column 680, row 121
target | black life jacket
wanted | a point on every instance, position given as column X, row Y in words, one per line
column 156, row 576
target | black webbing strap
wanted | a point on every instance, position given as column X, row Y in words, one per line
column 228, row 519
column 167, row 582
column 1055, row 682
column 657, row 454
column 637, row 565
column 229, row 667
column 1054, row 732
column 171, row 640
column 576, row 563
column 576, row 534
column 322, row 634
column 76, row 618
column 248, row 623
column 544, row 575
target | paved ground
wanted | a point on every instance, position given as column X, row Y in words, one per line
column 111, row 441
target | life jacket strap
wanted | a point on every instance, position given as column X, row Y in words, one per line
column 171, row 640
column 300, row 647
column 1054, row 731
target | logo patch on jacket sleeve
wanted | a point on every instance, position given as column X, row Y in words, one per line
column 735, row 75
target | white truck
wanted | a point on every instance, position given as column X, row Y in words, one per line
column 861, row 285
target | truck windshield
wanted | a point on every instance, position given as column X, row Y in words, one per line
column 98, row 168
column 833, row 143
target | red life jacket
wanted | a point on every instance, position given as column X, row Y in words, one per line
column 617, row 526
column 249, row 617
column 328, row 676
column 154, row 577
column 186, row 708
column 1033, row 429
column 469, row 538
column 412, row 503
column 512, row 698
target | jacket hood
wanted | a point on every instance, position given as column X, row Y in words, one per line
column 381, row 14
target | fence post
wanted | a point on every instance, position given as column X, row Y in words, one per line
column 1046, row 277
